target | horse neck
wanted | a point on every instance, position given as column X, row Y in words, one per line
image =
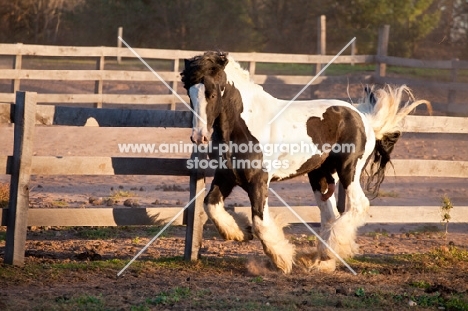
column 230, row 124
column 254, row 98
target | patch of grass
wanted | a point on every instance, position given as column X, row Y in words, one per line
column 438, row 258
column 153, row 230
column 83, row 302
column 427, row 229
column 361, row 300
column 168, row 298
column 420, row 284
column 387, row 194
column 456, row 302
column 59, row 203
column 360, row 292
column 2, row 235
column 4, row 195
column 434, row 260
column 115, row 195
column 257, row 279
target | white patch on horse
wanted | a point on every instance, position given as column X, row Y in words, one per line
column 199, row 103
column 328, row 211
column 275, row 244
column 230, row 226
column 260, row 107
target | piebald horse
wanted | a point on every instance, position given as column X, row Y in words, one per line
column 232, row 110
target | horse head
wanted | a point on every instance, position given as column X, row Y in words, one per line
column 209, row 64
column 204, row 78
column 206, row 100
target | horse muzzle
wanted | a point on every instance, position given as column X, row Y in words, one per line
column 200, row 136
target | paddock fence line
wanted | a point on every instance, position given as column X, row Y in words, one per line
column 17, row 59
column 25, row 114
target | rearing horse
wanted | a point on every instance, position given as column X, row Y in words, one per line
column 232, row 109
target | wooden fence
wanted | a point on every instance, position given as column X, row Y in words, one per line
column 25, row 114
column 103, row 57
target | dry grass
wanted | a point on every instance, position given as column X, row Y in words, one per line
column 4, row 195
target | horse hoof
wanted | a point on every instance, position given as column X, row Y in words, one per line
column 310, row 260
column 328, row 265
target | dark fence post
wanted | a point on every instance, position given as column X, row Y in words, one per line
column 17, row 217
column 195, row 216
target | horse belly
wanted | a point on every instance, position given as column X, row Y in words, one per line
column 295, row 152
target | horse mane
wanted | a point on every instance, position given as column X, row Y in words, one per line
column 236, row 74
column 211, row 63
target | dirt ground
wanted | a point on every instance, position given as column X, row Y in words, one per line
column 76, row 269
column 400, row 265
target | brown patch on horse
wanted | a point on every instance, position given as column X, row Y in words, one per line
column 338, row 125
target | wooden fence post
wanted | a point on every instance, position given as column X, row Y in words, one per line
column 321, row 50
column 172, row 105
column 252, row 65
column 353, row 52
column 119, row 44
column 321, row 39
column 99, row 83
column 17, row 218
column 17, row 63
column 195, row 216
column 382, row 50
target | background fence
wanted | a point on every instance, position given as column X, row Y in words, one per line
column 25, row 114
column 92, row 75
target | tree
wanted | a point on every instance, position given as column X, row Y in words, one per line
column 31, row 21
column 410, row 21
column 176, row 24
column 285, row 25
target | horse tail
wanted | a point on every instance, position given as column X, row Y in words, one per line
column 385, row 113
